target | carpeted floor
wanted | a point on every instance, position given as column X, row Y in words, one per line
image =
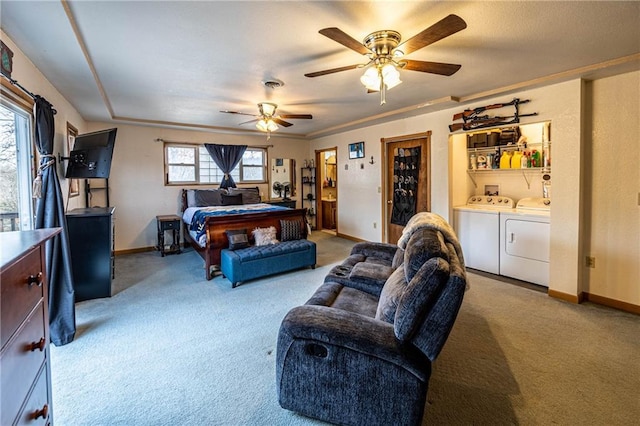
column 170, row 348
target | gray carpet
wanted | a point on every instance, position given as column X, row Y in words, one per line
column 170, row 348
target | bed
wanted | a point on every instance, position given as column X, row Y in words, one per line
column 216, row 211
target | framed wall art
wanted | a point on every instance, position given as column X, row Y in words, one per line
column 356, row 150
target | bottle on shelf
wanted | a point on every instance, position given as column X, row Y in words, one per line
column 505, row 160
column 516, row 160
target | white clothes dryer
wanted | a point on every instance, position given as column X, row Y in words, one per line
column 525, row 241
column 477, row 225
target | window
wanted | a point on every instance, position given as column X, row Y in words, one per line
column 16, row 168
column 192, row 164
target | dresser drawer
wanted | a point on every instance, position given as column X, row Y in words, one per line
column 36, row 410
column 21, row 360
column 22, row 288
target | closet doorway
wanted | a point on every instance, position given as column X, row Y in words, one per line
column 327, row 189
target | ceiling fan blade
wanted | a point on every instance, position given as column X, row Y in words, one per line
column 250, row 121
column 282, row 122
column 236, row 112
column 431, row 67
column 344, row 39
column 302, row 116
column 444, row 28
column 331, row 71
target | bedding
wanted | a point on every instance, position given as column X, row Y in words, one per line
column 206, row 227
column 195, row 217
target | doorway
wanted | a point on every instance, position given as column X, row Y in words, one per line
column 407, row 181
column 327, row 189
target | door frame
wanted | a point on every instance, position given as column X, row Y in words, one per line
column 319, row 162
column 385, row 174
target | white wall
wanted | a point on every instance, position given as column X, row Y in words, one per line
column 137, row 184
column 359, row 203
column 613, row 169
column 32, row 79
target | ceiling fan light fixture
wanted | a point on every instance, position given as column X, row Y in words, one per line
column 390, row 76
column 267, row 125
column 267, row 108
column 371, row 78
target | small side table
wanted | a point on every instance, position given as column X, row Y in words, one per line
column 169, row 222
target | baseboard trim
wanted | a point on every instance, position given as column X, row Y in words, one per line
column 132, row 251
column 349, row 237
column 612, row 303
column 571, row 298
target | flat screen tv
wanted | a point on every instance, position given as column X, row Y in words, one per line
column 91, row 155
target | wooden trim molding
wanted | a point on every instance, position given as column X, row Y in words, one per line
column 349, row 237
column 566, row 296
column 16, row 95
column 612, row 303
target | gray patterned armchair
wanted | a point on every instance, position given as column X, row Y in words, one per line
column 363, row 357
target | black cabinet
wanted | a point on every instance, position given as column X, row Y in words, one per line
column 91, row 238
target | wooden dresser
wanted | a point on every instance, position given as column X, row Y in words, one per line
column 25, row 374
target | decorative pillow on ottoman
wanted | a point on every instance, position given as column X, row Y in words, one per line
column 290, row 230
column 237, row 238
column 265, row 236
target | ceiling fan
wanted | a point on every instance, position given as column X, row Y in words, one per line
column 267, row 120
column 385, row 52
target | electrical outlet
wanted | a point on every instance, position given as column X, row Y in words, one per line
column 591, row 262
column 375, row 225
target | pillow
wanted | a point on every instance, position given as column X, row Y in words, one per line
column 231, row 200
column 265, row 236
column 423, row 245
column 205, row 197
column 237, row 238
column 419, row 296
column 290, row 230
column 390, row 296
column 249, row 195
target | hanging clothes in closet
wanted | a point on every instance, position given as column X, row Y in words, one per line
column 406, row 168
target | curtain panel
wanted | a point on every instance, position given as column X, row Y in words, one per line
column 50, row 214
column 227, row 158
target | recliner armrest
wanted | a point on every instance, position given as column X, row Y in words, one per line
column 337, row 328
column 371, row 249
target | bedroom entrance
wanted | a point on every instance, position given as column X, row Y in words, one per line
column 327, row 189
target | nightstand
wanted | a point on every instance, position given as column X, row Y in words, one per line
column 171, row 223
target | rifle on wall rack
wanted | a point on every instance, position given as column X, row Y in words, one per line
column 468, row 114
column 482, row 122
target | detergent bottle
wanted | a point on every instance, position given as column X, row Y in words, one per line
column 516, row 160
column 505, row 160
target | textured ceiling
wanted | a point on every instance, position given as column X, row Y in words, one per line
column 181, row 63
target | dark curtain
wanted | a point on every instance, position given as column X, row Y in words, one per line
column 227, row 158
column 50, row 214
column 406, row 168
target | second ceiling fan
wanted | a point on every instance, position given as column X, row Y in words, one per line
column 267, row 120
column 384, row 51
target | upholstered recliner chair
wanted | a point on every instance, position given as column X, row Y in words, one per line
column 355, row 357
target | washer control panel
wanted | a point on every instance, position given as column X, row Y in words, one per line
column 491, row 201
column 534, row 203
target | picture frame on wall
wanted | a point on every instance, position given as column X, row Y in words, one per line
column 74, row 184
column 356, row 150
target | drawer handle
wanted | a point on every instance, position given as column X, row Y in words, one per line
column 40, row 344
column 35, row 279
column 44, row 411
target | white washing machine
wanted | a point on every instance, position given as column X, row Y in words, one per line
column 525, row 241
column 477, row 225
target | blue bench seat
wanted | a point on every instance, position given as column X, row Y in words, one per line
column 259, row 261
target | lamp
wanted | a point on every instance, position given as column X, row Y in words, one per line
column 267, row 108
column 381, row 77
column 266, row 123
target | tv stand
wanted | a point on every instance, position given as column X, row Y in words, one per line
column 87, row 191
